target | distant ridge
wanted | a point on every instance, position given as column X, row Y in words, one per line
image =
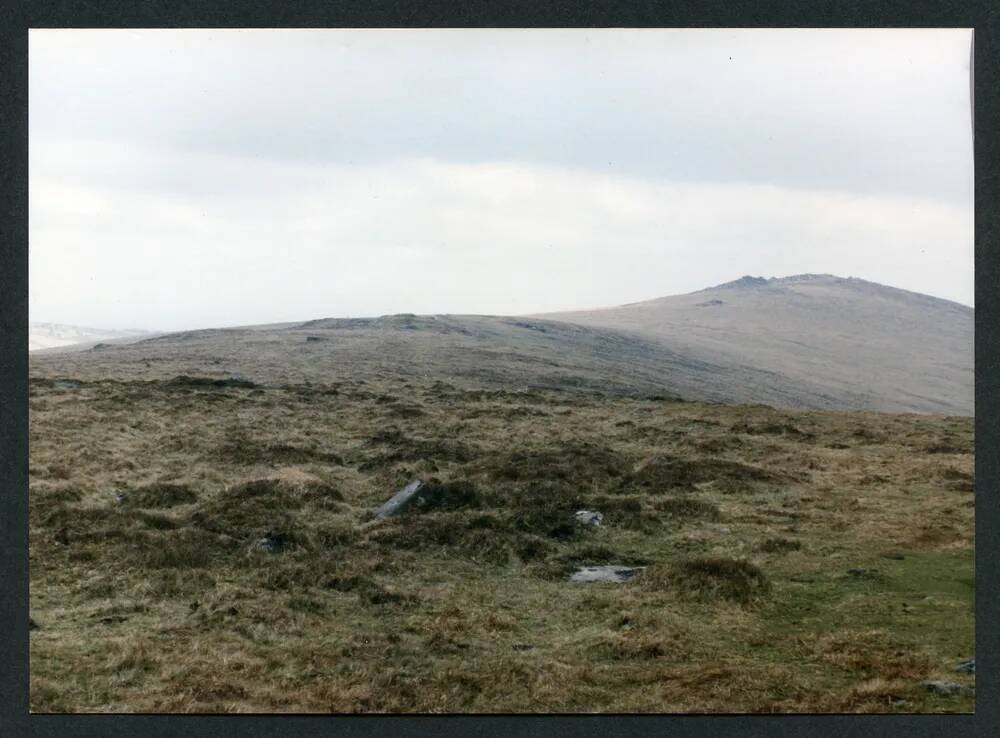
column 859, row 343
column 808, row 341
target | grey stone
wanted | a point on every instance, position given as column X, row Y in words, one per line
column 949, row 689
column 589, row 517
column 401, row 501
column 271, row 543
column 62, row 384
column 966, row 667
column 611, row 573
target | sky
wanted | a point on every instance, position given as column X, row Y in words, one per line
column 185, row 179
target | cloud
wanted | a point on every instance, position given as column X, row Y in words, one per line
column 882, row 112
column 223, row 239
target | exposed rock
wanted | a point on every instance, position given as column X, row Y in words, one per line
column 64, row 384
column 272, row 543
column 32, row 625
column 522, row 647
column 948, row 689
column 609, row 573
column 310, row 339
column 966, row 667
column 401, row 501
column 589, row 518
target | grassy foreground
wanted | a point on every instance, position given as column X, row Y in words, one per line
column 795, row 561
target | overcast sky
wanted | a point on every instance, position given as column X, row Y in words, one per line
column 187, row 179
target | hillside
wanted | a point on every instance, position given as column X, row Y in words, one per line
column 204, row 532
column 43, row 336
column 806, row 341
column 848, row 342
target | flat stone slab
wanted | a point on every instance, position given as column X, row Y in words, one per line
column 614, row 574
column 400, row 501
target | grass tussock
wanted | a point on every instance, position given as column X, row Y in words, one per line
column 708, row 579
column 663, row 473
column 241, row 450
column 159, row 495
column 780, row 545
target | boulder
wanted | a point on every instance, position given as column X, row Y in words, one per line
column 609, row 573
column 589, row 518
column 401, row 501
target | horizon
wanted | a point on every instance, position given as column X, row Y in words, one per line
column 374, row 172
column 727, row 283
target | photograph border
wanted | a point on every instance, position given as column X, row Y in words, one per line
column 20, row 15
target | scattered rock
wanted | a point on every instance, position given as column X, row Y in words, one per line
column 523, row 647
column 709, row 303
column 310, row 339
column 966, row 667
column 113, row 619
column 100, row 346
column 273, row 542
column 64, row 384
column 401, row 501
column 32, row 625
column 860, row 572
column 948, row 689
column 893, row 555
column 589, row 518
column 608, row 573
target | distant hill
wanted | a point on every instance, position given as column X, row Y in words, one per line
column 856, row 343
column 53, row 335
column 809, row 341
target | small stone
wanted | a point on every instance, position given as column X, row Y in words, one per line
column 32, row 625
column 857, row 572
column 589, row 517
column 271, row 543
column 611, row 573
column 522, row 647
column 949, row 689
column 966, row 667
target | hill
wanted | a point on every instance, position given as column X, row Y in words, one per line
column 829, row 341
column 807, row 341
column 204, row 535
column 43, row 336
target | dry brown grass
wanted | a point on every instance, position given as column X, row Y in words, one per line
column 747, row 519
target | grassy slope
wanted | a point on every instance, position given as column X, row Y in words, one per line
column 871, row 346
column 154, row 603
